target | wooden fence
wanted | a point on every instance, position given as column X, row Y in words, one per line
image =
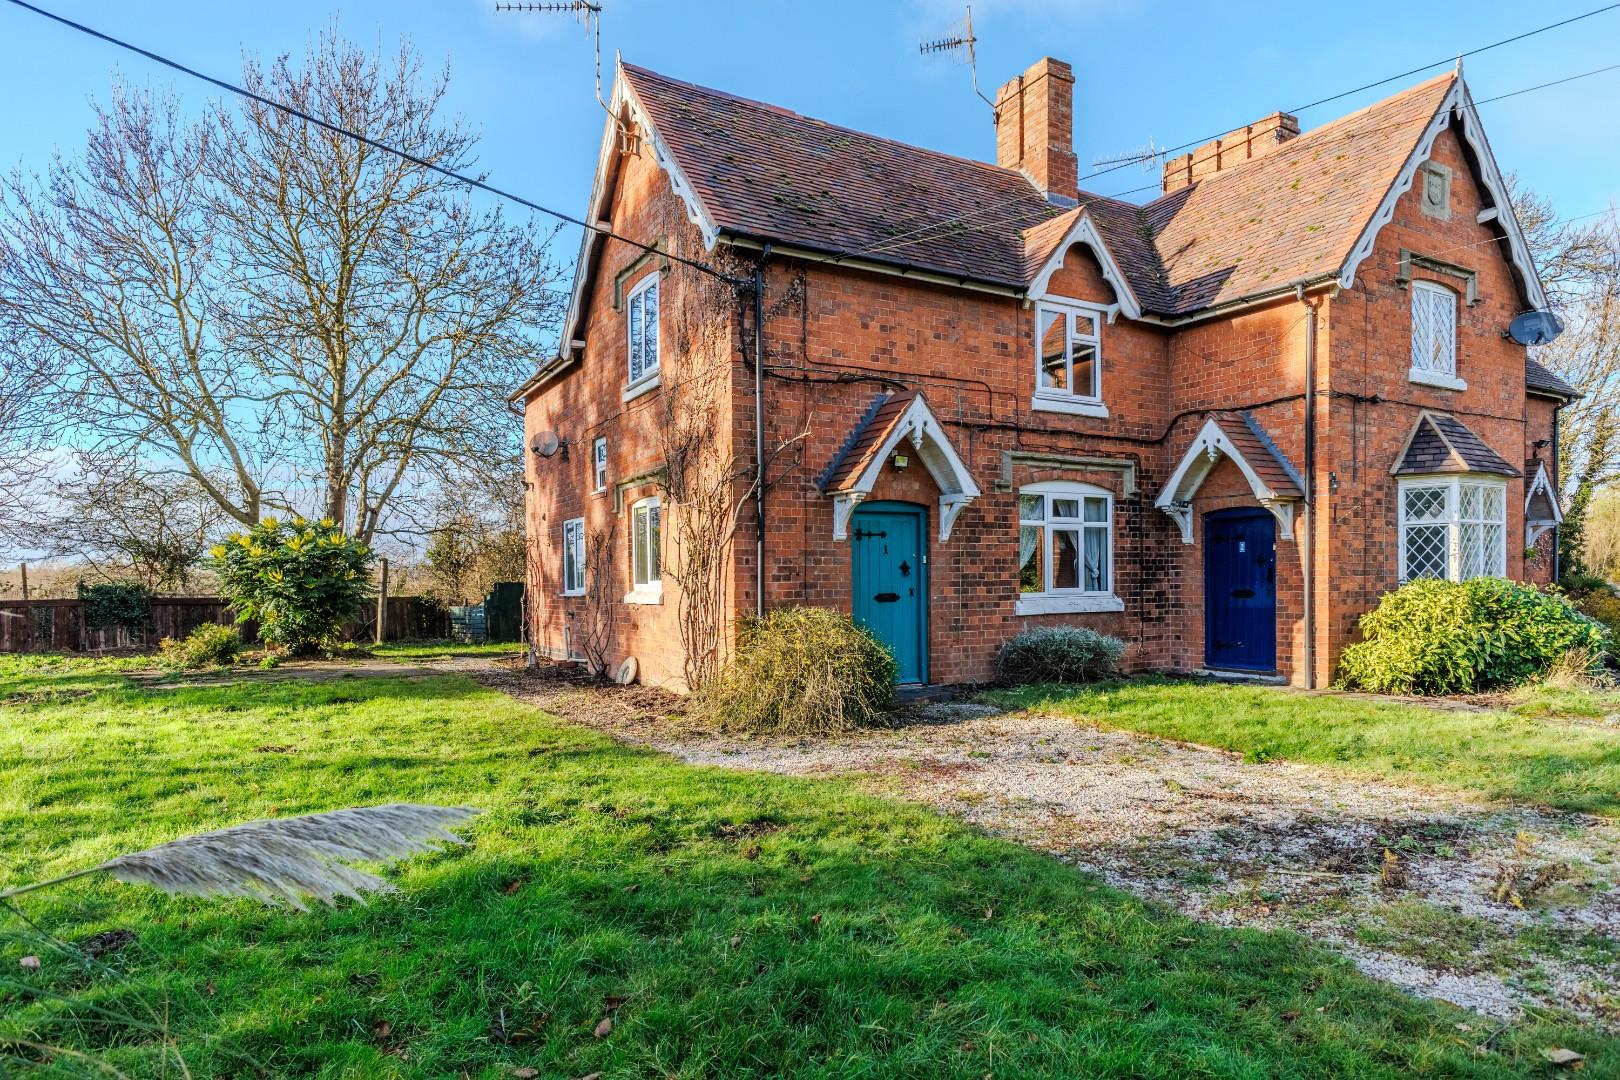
column 58, row 625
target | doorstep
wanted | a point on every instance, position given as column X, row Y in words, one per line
column 1271, row 679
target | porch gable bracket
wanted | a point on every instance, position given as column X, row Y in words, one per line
column 1271, row 478
column 900, row 416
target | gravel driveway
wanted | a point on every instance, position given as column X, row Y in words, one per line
column 1418, row 887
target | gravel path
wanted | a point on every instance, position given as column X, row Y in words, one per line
column 1272, row 845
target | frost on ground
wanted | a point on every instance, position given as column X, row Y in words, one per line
column 1491, row 907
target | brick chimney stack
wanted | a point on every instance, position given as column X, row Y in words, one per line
column 1035, row 128
column 1235, row 147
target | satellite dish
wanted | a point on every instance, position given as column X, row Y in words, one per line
column 1535, row 328
column 545, row 443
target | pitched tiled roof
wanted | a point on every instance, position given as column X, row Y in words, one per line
column 1440, row 443
column 1261, row 452
column 1538, row 377
column 1296, row 212
column 865, row 441
column 766, row 172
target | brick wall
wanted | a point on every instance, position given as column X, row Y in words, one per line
column 838, row 338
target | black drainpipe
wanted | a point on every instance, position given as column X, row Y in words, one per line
column 759, row 431
column 1307, row 548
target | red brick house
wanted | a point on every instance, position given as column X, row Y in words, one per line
column 1218, row 424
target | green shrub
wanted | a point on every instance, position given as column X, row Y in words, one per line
column 300, row 581
column 210, row 645
column 1061, row 654
column 116, row 603
column 803, row 671
column 1602, row 604
column 1443, row 637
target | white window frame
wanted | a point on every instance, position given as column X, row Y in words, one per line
column 1445, row 377
column 640, row 382
column 1066, row 399
column 599, row 464
column 1049, row 600
column 1453, row 484
column 646, row 581
column 573, row 576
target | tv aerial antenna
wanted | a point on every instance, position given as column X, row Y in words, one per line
column 589, row 15
column 960, row 44
column 1150, row 157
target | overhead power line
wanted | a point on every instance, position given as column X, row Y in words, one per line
column 376, row 144
column 986, row 210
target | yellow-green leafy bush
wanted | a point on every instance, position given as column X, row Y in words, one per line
column 1445, row 637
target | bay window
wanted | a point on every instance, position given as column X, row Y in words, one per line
column 1453, row 527
column 1065, row 549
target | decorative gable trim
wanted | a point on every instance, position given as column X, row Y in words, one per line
column 1536, row 524
column 696, row 212
column 1084, row 231
column 1458, row 105
column 932, row 445
column 1208, row 447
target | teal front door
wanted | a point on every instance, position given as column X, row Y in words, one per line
column 890, row 582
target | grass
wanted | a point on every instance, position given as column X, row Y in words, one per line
column 426, row 650
column 731, row 924
column 1528, row 752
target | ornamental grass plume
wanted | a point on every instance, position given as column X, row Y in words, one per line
column 284, row 860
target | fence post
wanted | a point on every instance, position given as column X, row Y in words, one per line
column 382, row 605
column 25, row 580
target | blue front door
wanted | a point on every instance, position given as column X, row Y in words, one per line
column 889, row 578
column 1240, row 590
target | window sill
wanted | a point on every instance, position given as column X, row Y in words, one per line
column 1436, row 379
column 572, row 592
column 645, row 594
column 1069, row 405
column 1060, row 604
column 647, row 385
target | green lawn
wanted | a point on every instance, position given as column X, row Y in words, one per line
column 1529, row 751
column 426, row 650
column 732, row 924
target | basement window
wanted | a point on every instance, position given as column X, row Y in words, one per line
column 1068, row 358
column 1065, row 549
column 1434, row 336
column 574, row 557
column 1453, row 528
column 641, row 329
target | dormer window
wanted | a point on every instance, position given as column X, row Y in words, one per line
column 641, row 332
column 1434, row 336
column 1068, row 357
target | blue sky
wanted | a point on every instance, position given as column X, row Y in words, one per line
column 1146, row 69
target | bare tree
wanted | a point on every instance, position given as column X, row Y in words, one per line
column 124, row 521
column 293, row 319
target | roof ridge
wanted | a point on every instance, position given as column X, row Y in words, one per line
column 1305, row 137
column 784, row 111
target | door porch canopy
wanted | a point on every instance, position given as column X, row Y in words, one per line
column 1240, row 438
column 891, row 419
